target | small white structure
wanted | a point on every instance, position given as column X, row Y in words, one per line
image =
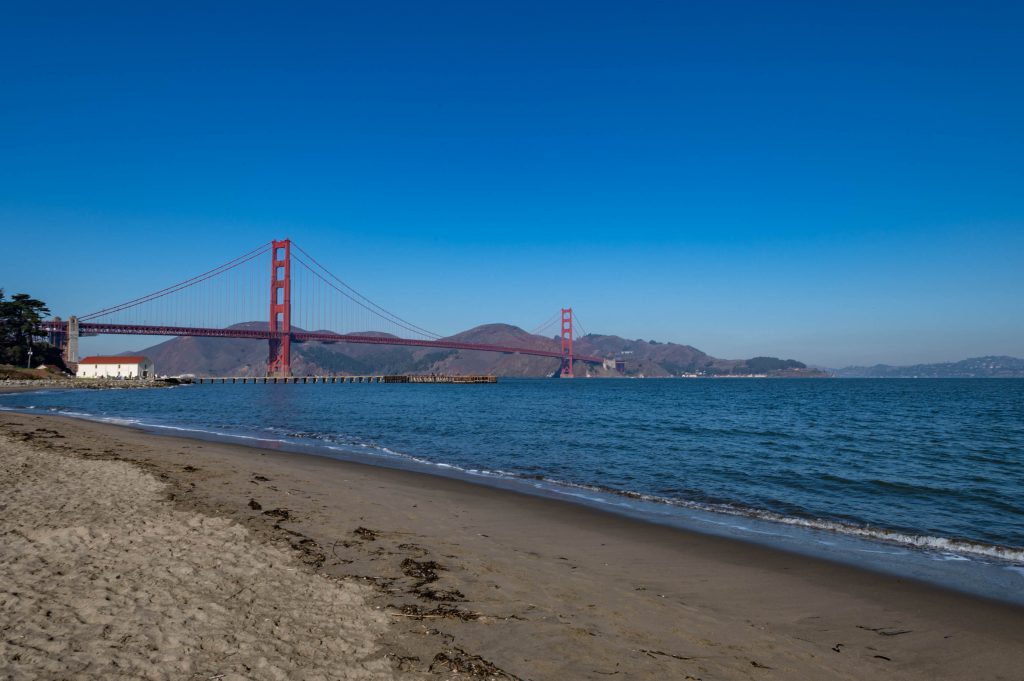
column 123, row 366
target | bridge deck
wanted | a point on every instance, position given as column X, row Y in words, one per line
column 263, row 380
column 89, row 329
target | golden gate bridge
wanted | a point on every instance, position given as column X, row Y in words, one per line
column 306, row 302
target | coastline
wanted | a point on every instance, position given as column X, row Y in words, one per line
column 24, row 386
column 543, row 588
column 957, row 558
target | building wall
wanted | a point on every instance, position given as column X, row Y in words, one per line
column 144, row 369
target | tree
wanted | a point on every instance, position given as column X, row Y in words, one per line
column 19, row 323
column 761, row 365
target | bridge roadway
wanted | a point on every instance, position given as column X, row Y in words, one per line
column 89, row 329
column 324, row 380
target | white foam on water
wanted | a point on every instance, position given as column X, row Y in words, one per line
column 940, row 548
column 884, row 553
column 937, row 545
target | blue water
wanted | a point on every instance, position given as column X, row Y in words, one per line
column 922, row 478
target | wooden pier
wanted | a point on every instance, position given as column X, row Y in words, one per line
column 263, row 380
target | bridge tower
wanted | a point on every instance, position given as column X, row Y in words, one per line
column 71, row 341
column 566, row 342
column 64, row 335
column 280, row 361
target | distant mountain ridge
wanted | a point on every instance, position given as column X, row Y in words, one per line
column 240, row 357
column 992, row 366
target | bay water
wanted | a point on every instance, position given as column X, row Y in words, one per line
column 919, row 478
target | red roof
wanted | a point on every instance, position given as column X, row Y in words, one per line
column 117, row 359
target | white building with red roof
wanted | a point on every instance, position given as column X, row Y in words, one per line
column 117, row 366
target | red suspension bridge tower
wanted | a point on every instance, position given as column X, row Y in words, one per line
column 566, row 342
column 280, row 361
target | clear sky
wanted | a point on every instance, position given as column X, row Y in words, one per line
column 835, row 182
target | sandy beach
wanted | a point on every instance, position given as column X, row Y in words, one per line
column 130, row 555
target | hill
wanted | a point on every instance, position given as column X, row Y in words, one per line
column 975, row 367
column 240, row 357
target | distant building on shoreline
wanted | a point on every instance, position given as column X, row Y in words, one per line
column 123, row 366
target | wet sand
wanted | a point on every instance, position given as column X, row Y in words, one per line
column 424, row 576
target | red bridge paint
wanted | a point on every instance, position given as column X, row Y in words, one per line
column 88, row 329
column 280, row 360
column 279, row 332
column 566, row 343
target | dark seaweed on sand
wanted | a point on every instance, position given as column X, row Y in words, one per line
column 459, row 661
column 423, row 570
column 366, row 533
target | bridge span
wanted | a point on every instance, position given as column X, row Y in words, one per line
column 92, row 329
column 224, row 290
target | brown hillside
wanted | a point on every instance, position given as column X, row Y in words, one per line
column 240, row 357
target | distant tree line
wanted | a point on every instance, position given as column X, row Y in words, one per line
column 19, row 320
column 762, row 365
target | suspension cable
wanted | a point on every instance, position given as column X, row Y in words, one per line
column 376, row 309
column 231, row 264
column 577, row 322
column 545, row 325
column 398, row 321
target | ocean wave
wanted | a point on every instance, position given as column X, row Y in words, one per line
column 934, row 544
column 905, row 539
column 944, row 548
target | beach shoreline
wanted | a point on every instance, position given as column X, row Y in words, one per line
column 893, row 546
column 543, row 588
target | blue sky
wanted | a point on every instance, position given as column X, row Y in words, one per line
column 835, row 182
